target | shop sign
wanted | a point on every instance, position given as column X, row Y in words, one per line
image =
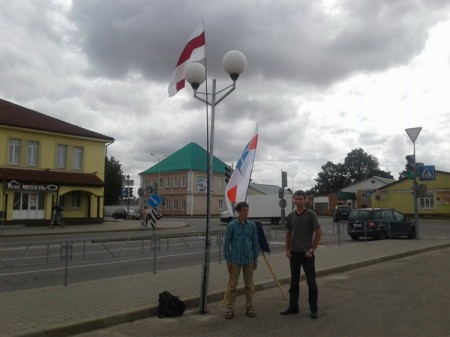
column 15, row 185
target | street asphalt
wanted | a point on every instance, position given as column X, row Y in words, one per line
column 87, row 306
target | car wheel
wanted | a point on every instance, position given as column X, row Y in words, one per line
column 382, row 235
column 412, row 233
column 354, row 237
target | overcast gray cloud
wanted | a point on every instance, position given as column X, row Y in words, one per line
column 296, row 41
column 323, row 77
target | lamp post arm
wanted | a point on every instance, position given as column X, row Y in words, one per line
column 205, row 100
column 230, row 89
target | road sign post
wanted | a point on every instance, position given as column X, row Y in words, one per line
column 413, row 133
column 154, row 200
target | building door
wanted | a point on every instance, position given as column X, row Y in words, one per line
column 28, row 205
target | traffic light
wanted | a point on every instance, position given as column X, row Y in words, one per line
column 130, row 192
column 281, row 193
column 228, row 173
column 410, row 166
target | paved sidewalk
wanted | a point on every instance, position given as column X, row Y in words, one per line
column 109, row 225
column 62, row 311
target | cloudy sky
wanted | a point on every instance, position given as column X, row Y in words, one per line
column 323, row 77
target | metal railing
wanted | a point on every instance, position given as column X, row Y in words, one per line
column 67, row 252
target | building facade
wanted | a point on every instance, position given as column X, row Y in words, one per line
column 44, row 161
column 399, row 195
column 358, row 195
column 181, row 181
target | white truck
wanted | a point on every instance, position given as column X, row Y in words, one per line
column 263, row 207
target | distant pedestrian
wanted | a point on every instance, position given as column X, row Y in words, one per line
column 241, row 250
column 56, row 214
column 146, row 215
column 302, row 238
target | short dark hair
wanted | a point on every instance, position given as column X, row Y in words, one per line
column 240, row 205
column 300, row 193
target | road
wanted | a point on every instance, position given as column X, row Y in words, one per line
column 41, row 265
column 400, row 298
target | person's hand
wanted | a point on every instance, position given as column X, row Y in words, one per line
column 229, row 267
column 288, row 254
column 309, row 254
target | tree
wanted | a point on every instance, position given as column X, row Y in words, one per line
column 113, row 180
column 332, row 178
column 357, row 166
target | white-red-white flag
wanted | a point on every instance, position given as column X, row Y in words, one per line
column 237, row 187
column 194, row 51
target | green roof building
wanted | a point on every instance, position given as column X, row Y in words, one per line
column 190, row 157
column 181, row 181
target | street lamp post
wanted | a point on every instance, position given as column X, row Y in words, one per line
column 128, row 196
column 159, row 169
column 234, row 63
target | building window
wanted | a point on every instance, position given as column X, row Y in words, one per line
column 16, row 202
column 32, row 155
column 183, row 205
column 77, row 158
column 321, row 206
column 167, row 205
column 14, row 152
column 175, row 205
column 183, row 182
column 175, row 181
column 220, row 204
column 76, row 199
column 61, row 154
column 167, row 182
column 428, row 202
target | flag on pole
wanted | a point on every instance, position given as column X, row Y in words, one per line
column 194, row 51
column 237, row 187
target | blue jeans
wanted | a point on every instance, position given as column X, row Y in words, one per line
column 296, row 262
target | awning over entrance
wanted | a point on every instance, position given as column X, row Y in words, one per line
column 51, row 177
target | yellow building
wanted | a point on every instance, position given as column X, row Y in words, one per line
column 44, row 161
column 399, row 195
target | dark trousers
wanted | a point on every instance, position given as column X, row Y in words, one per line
column 296, row 262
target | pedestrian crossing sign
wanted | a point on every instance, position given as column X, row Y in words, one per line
column 427, row 172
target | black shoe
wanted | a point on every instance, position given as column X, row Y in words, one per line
column 289, row 311
column 314, row 315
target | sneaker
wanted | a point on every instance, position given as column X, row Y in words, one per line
column 289, row 311
column 314, row 315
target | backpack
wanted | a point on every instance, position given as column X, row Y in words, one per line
column 170, row 305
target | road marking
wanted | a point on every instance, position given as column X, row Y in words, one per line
column 100, row 264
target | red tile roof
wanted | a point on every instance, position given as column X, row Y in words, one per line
column 18, row 116
column 50, row 177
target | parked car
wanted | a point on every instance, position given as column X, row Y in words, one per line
column 134, row 214
column 379, row 223
column 120, row 213
column 341, row 212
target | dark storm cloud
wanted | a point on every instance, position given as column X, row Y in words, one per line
column 296, row 41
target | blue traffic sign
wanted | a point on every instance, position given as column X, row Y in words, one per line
column 427, row 172
column 154, row 200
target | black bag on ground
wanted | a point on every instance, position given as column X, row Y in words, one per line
column 170, row 305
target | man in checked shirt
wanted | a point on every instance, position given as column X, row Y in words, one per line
column 241, row 250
